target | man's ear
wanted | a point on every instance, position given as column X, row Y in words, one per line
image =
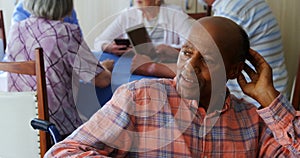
column 235, row 70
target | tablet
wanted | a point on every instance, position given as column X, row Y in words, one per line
column 140, row 40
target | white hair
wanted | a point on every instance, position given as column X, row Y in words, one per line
column 49, row 9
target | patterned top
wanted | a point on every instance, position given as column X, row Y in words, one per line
column 147, row 118
column 67, row 59
column 264, row 34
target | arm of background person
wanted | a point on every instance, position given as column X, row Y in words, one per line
column 116, row 29
column 103, row 79
column 143, row 65
column 157, row 70
column 167, row 53
column 85, row 65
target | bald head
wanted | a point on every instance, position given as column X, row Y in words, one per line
column 230, row 38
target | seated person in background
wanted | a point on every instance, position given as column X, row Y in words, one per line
column 256, row 18
column 194, row 115
column 67, row 59
column 20, row 14
column 166, row 25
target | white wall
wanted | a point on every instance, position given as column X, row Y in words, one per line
column 7, row 6
column 95, row 15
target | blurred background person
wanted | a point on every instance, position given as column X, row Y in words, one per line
column 167, row 25
column 20, row 14
column 67, row 59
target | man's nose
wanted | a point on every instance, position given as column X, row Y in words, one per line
column 192, row 66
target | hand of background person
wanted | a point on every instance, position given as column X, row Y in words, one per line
column 166, row 53
column 116, row 49
column 143, row 65
column 261, row 86
column 108, row 64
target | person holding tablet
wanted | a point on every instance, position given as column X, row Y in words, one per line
column 167, row 26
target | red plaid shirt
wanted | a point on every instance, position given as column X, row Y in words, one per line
column 148, row 118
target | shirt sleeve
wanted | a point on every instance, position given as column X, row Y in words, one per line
column 19, row 13
column 282, row 135
column 116, row 29
column 72, row 18
column 107, row 133
column 85, row 65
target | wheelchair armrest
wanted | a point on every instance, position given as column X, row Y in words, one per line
column 40, row 124
column 47, row 127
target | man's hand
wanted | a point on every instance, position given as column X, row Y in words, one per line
column 261, row 86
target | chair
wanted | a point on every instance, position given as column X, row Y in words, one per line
column 295, row 97
column 18, row 108
column 2, row 35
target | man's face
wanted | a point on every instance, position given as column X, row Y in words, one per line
column 194, row 69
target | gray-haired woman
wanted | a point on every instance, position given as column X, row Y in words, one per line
column 66, row 54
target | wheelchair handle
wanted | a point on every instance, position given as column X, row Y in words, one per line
column 40, row 124
column 46, row 126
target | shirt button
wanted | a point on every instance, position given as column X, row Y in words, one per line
column 276, row 117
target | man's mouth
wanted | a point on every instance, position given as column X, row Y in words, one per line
column 188, row 79
column 188, row 82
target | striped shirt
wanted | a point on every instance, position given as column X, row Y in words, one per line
column 256, row 18
column 67, row 59
column 155, row 31
column 147, row 118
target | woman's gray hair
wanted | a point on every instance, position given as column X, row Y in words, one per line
column 49, row 9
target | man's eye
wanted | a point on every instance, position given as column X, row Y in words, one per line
column 186, row 53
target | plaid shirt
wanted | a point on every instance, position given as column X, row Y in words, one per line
column 148, row 118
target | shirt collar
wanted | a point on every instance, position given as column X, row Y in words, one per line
column 162, row 18
column 194, row 105
column 226, row 107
